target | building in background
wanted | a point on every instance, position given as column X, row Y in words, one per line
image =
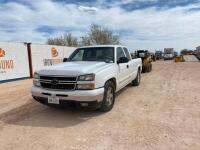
column 198, row 52
column 198, row 48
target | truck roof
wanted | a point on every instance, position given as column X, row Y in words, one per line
column 102, row 46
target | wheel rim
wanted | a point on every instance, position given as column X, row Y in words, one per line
column 109, row 96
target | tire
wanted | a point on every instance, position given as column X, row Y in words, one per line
column 150, row 67
column 136, row 81
column 144, row 69
column 147, row 68
column 109, row 97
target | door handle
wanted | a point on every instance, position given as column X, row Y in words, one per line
column 127, row 66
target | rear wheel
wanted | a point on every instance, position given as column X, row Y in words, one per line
column 109, row 97
column 144, row 69
column 147, row 67
column 136, row 81
column 150, row 67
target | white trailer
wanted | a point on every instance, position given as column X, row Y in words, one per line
column 168, row 53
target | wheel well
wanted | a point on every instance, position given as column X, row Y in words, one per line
column 114, row 82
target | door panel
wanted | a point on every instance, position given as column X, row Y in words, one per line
column 134, row 68
column 132, row 65
column 123, row 69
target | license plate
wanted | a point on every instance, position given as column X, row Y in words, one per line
column 53, row 100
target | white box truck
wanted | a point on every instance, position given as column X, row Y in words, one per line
column 168, row 53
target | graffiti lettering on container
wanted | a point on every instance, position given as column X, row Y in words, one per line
column 50, row 62
column 4, row 63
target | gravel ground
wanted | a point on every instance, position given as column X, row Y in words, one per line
column 162, row 113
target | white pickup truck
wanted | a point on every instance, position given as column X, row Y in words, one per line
column 89, row 78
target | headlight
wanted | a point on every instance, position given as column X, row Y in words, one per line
column 36, row 82
column 36, row 76
column 89, row 86
column 87, row 77
column 36, row 79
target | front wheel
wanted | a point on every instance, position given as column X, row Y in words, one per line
column 136, row 81
column 109, row 97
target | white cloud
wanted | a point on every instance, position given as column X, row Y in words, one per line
column 87, row 9
column 122, row 2
column 148, row 28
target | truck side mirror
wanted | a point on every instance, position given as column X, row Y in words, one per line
column 123, row 60
column 65, row 59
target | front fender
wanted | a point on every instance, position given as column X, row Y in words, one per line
column 104, row 75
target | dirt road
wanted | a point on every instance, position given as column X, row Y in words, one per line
column 162, row 113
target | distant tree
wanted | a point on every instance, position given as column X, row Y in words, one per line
column 186, row 51
column 99, row 35
column 84, row 41
column 66, row 40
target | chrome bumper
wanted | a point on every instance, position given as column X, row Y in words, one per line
column 76, row 95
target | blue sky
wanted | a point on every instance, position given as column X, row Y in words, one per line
column 149, row 24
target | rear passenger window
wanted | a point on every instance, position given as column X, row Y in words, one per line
column 120, row 53
column 127, row 53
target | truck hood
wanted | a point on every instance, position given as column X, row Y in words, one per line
column 75, row 68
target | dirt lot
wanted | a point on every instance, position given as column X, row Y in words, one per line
column 162, row 113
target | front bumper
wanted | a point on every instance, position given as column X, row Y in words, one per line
column 76, row 95
column 168, row 58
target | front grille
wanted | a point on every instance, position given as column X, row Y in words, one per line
column 58, row 78
column 58, row 83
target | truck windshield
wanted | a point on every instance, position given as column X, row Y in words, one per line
column 105, row 54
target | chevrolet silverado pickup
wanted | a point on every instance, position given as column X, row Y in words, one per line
column 89, row 78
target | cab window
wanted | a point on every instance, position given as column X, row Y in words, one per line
column 120, row 53
column 127, row 53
